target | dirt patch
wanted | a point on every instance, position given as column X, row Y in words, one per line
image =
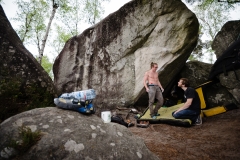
column 217, row 138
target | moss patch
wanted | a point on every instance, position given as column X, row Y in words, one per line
column 26, row 140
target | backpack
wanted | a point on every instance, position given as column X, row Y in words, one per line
column 118, row 119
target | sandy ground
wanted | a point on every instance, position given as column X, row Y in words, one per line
column 216, row 139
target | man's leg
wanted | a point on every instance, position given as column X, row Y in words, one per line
column 151, row 95
column 186, row 114
column 159, row 98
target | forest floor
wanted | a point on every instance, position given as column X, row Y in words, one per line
column 217, row 138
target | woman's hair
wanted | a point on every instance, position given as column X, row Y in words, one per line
column 152, row 64
column 185, row 82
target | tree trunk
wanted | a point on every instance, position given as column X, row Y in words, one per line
column 55, row 6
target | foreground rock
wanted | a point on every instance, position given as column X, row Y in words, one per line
column 23, row 82
column 72, row 136
column 112, row 56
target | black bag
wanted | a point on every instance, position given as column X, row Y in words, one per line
column 169, row 102
column 118, row 119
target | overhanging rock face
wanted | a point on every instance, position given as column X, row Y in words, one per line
column 112, row 56
column 228, row 35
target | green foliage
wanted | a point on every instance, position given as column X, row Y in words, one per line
column 227, row 3
column 71, row 15
column 47, row 65
column 58, row 42
column 205, row 4
column 211, row 15
column 26, row 140
column 93, row 11
column 30, row 16
column 211, row 18
column 192, row 57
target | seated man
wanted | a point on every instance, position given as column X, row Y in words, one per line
column 191, row 108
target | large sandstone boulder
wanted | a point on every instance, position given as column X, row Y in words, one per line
column 112, row 56
column 215, row 94
column 228, row 34
column 23, row 82
column 69, row 135
column 197, row 72
column 231, row 83
column 225, row 37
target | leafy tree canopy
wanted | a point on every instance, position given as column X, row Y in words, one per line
column 35, row 19
column 212, row 15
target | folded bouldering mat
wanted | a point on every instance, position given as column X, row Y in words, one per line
column 214, row 111
column 165, row 117
column 219, row 110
